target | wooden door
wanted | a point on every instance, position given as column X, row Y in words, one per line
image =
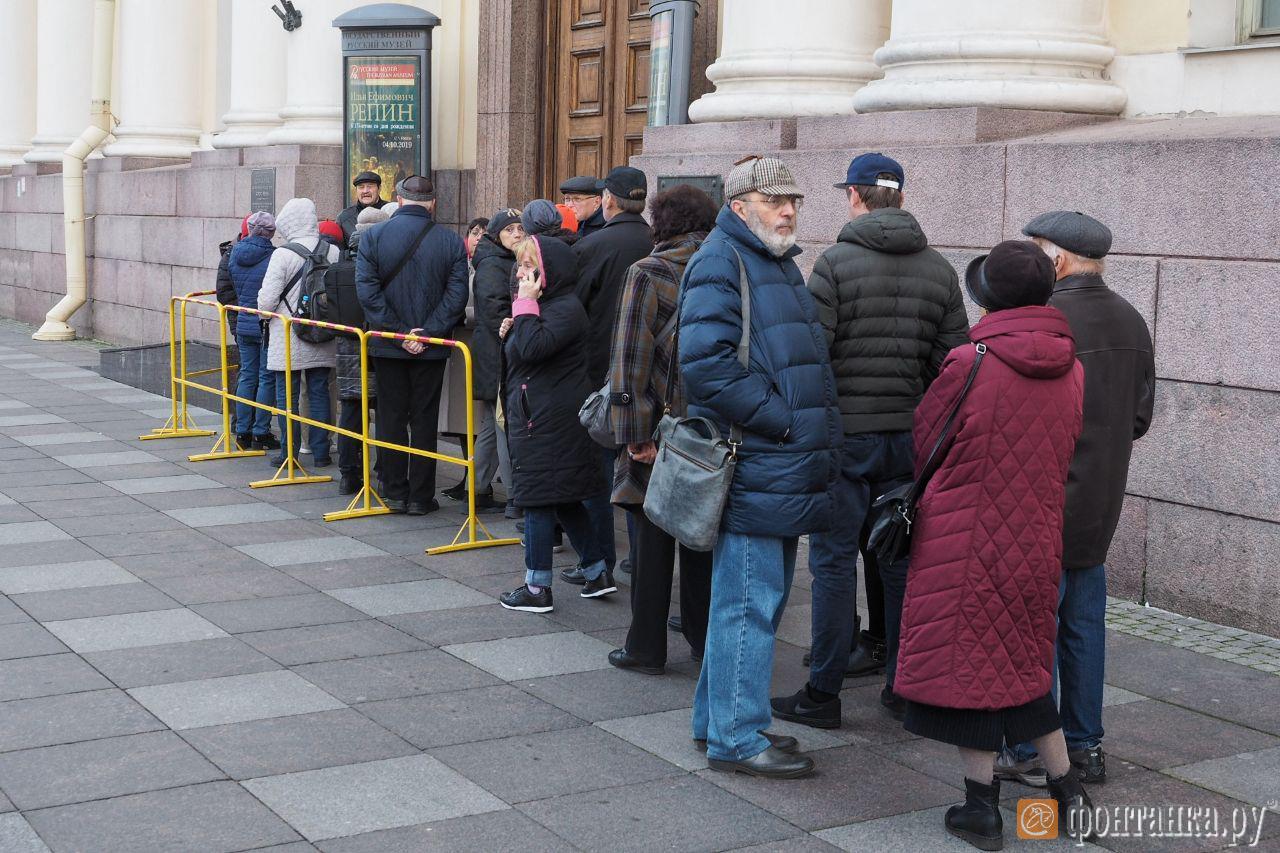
column 598, row 87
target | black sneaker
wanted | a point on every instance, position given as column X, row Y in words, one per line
column 244, row 441
column 1091, row 763
column 521, row 599
column 456, row 493
column 601, row 586
column 349, row 485
column 420, row 508
column 800, row 707
column 266, row 442
column 486, row 505
column 394, row 505
column 624, row 565
column 623, row 659
column 573, row 575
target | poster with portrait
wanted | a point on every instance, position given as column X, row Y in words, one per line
column 384, row 118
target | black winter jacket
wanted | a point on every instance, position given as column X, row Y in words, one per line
column 603, row 259
column 1113, row 344
column 553, row 459
column 493, row 265
column 591, row 224
column 347, row 218
column 892, row 310
column 429, row 293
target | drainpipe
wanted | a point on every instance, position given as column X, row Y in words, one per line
column 55, row 326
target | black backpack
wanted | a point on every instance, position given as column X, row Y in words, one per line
column 313, row 300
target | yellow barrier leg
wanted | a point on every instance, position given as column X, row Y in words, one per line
column 362, row 505
column 230, row 449
column 179, row 424
column 290, row 473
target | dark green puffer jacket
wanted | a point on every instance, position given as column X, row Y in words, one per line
column 892, row 310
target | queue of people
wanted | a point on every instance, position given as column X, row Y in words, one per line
column 835, row 394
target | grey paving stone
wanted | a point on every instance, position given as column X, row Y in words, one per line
column 442, row 719
column 923, row 830
column 536, row 656
column 17, row 836
column 849, row 784
column 46, row 553
column 239, row 513
column 215, row 816
column 49, row 720
column 5, row 805
column 157, row 542
column 309, row 551
column 98, row 460
column 289, row 611
column 548, row 764
column 29, row 495
column 472, row 624
column 684, row 813
column 174, row 662
column 89, row 601
column 17, row 481
column 45, row 577
column 85, row 507
column 412, row 597
column 230, row 586
column 93, row 770
column 339, row 641
column 212, row 560
column 25, row 640
column 156, row 485
column 23, row 532
column 200, row 497
column 800, row 844
column 26, row 678
column 1112, row 695
column 10, row 512
column 233, row 699
column 13, row 404
column 370, row 679
column 21, row 460
column 337, row 574
column 295, row 743
column 1253, row 777
column 10, row 613
column 1159, row 735
column 30, row 420
column 482, row 833
column 339, row 801
column 236, row 535
column 140, row 521
column 127, row 630
column 606, row 694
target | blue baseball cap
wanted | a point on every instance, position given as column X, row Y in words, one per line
column 865, row 171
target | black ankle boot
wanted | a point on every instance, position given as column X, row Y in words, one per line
column 1075, row 810
column 978, row 821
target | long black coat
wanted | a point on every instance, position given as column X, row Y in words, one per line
column 553, row 459
column 603, row 259
column 1113, row 344
column 493, row 265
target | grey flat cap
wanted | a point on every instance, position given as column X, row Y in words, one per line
column 580, row 185
column 1072, row 230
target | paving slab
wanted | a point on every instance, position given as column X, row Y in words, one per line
column 85, row 507
column 211, row 560
column 472, row 624
column 1252, row 777
column 362, row 571
column 301, row 742
column 49, row 720
column 1159, row 735
column 26, row 640
column 230, row 586
column 24, row 532
column 233, row 699
column 339, row 641
column 606, row 694
column 338, row 801
column 482, row 833
column 84, row 602
column 159, row 485
column 98, row 460
column 412, row 597
column 174, row 662
column 7, row 421
column 924, row 830
column 46, row 553
column 127, row 630
column 238, row 513
column 289, row 611
column 309, row 551
column 442, row 719
column 215, row 816
column 97, row 769
column 140, row 521
column 262, row 532
column 17, row 836
column 27, row 678
column 173, row 542
column 535, row 656
column 393, row 676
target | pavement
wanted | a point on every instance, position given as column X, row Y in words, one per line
column 190, row 664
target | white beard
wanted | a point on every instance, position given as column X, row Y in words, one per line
column 776, row 243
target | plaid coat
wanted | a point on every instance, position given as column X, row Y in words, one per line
column 639, row 363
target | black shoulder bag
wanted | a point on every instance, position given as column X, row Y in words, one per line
column 890, row 537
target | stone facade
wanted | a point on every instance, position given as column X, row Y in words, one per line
column 1201, row 529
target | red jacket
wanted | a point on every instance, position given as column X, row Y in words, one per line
column 978, row 620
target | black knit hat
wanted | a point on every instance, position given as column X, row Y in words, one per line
column 1016, row 273
column 501, row 220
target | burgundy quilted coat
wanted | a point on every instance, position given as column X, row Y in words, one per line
column 978, row 620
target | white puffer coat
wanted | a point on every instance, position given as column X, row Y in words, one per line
column 297, row 223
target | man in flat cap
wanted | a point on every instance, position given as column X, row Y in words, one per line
column 584, row 194
column 1114, row 345
column 368, row 194
column 775, row 402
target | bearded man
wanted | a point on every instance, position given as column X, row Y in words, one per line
column 775, row 400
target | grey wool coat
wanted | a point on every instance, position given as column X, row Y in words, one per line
column 296, row 223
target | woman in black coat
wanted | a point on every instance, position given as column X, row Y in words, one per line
column 556, row 465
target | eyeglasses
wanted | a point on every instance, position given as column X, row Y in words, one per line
column 777, row 202
column 571, row 198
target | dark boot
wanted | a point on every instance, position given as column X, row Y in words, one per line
column 1075, row 810
column 978, row 820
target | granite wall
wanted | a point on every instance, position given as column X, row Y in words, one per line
column 154, row 230
column 1193, row 205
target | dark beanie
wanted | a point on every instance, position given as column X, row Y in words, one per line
column 1016, row 273
column 501, row 220
column 541, row 217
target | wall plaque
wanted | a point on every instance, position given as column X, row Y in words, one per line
column 262, row 190
column 712, row 185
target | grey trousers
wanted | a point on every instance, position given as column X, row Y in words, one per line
column 491, row 452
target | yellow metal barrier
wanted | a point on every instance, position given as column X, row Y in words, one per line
column 366, row 502
column 179, row 424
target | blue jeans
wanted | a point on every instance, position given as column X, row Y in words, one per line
column 1079, row 665
column 539, row 540
column 254, row 382
column 317, row 380
column 871, row 464
column 750, row 579
column 600, row 508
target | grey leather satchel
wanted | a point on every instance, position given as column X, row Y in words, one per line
column 595, row 413
column 689, row 486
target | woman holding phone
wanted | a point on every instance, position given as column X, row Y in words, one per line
column 554, row 462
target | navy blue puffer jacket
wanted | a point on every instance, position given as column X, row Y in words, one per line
column 785, row 402
column 247, row 266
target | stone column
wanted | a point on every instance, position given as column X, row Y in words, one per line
column 64, row 58
column 507, row 138
column 17, row 72
column 799, row 58
column 312, row 110
column 1020, row 54
column 259, row 49
column 159, row 71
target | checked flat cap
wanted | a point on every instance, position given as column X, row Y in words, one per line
column 767, row 175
